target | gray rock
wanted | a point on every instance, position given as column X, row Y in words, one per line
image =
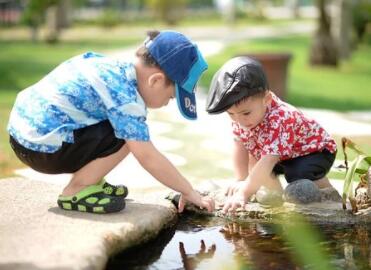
column 362, row 198
column 330, row 194
column 302, row 192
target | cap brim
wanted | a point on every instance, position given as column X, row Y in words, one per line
column 186, row 102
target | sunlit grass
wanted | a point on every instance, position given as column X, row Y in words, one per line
column 24, row 63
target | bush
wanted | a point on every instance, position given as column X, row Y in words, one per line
column 109, row 18
column 361, row 17
column 169, row 11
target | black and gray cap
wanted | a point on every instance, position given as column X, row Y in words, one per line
column 238, row 78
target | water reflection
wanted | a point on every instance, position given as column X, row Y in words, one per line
column 258, row 246
column 210, row 243
column 191, row 261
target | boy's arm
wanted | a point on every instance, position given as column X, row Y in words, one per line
column 259, row 175
column 241, row 166
column 240, row 160
column 164, row 171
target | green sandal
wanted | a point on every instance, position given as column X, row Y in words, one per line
column 99, row 198
column 112, row 190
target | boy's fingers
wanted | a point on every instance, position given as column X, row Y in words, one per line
column 213, row 204
column 181, row 204
column 208, row 204
column 227, row 205
column 233, row 207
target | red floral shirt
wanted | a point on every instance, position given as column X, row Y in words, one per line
column 284, row 132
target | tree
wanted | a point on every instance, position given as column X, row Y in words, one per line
column 168, row 11
column 345, row 31
column 57, row 17
column 323, row 49
column 34, row 14
column 361, row 17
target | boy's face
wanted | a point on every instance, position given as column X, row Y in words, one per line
column 158, row 91
column 166, row 93
column 250, row 112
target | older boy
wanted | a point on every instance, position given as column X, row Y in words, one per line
column 271, row 136
column 90, row 112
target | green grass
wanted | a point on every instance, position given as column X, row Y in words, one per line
column 24, row 63
column 345, row 88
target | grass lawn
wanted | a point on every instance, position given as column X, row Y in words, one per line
column 24, row 63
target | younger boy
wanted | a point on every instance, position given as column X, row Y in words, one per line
column 271, row 136
column 90, row 112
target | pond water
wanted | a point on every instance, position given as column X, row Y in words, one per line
column 213, row 243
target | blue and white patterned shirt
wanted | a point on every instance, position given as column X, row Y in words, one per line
column 80, row 92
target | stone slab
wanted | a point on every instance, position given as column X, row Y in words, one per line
column 36, row 234
column 324, row 212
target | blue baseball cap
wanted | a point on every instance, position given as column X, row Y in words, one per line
column 182, row 63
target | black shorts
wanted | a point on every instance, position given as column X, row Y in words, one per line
column 92, row 142
column 312, row 167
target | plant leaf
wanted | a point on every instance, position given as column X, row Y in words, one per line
column 348, row 191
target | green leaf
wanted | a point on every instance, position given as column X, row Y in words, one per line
column 304, row 238
column 360, row 171
column 348, row 191
column 368, row 160
column 362, row 167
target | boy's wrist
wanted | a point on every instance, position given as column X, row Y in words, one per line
column 188, row 192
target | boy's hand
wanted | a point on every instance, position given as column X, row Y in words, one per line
column 195, row 198
column 235, row 201
column 234, row 187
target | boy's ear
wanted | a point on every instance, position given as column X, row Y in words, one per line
column 268, row 97
column 156, row 78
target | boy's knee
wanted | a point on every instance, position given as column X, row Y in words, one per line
column 310, row 172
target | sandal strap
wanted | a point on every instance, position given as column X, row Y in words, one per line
column 113, row 190
column 93, row 200
column 89, row 190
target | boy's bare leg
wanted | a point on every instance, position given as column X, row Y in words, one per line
column 94, row 171
column 273, row 183
column 323, row 183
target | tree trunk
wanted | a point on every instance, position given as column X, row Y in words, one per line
column 343, row 28
column 34, row 33
column 64, row 14
column 57, row 17
column 294, row 7
column 323, row 49
column 52, row 29
column 230, row 12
